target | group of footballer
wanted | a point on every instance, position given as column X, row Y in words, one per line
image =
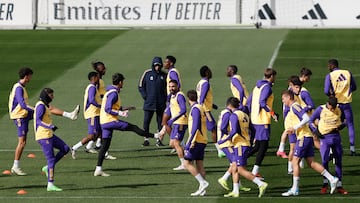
column 242, row 130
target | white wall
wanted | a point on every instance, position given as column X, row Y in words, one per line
column 136, row 12
column 304, row 13
column 132, row 13
column 16, row 13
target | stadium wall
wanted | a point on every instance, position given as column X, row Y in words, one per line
column 79, row 14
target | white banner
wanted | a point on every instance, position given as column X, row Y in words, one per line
column 137, row 12
column 302, row 13
column 16, row 13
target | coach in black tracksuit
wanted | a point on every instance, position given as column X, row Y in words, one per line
column 152, row 86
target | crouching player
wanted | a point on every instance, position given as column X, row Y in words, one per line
column 239, row 136
column 296, row 122
column 330, row 122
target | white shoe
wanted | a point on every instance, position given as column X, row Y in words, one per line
column 201, row 189
column 109, row 157
column 173, row 151
column 101, row 173
column 290, row 193
column 179, row 168
column 91, row 151
column 73, row 153
column 75, row 113
column 18, row 171
column 333, row 185
column 198, row 193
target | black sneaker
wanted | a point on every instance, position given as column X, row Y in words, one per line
column 159, row 143
column 146, row 143
column 352, row 153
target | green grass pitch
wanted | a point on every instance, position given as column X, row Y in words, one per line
column 61, row 60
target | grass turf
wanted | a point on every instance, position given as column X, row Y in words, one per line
column 144, row 174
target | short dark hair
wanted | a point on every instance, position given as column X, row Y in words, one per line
column 296, row 81
column 171, row 58
column 117, row 78
column 25, row 71
column 288, row 93
column 305, row 72
column 292, row 77
column 95, row 64
column 269, row 72
column 204, row 70
column 174, row 81
column 332, row 101
column 233, row 101
column 234, row 68
column 92, row 74
column 192, row 95
column 333, row 62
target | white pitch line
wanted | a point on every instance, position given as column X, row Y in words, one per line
column 276, row 52
column 318, row 58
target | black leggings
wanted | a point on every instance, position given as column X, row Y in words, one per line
column 105, row 145
column 139, row 131
column 105, row 142
column 261, row 147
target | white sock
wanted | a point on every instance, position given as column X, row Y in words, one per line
column 236, row 188
column 290, row 168
column 89, row 144
column 16, row 164
column 50, row 184
column 295, row 185
column 281, row 147
column 182, row 160
column 66, row 114
column 352, row 148
column 301, row 164
column 327, row 175
column 77, row 146
column 217, row 147
column 325, row 181
column 146, row 138
column 339, row 184
column 98, row 142
column 226, row 175
column 199, row 178
column 257, row 181
column 255, row 170
column 98, row 168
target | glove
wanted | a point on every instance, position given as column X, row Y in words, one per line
column 318, row 134
column 124, row 114
column 215, row 106
column 342, row 126
column 54, row 128
column 274, row 115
